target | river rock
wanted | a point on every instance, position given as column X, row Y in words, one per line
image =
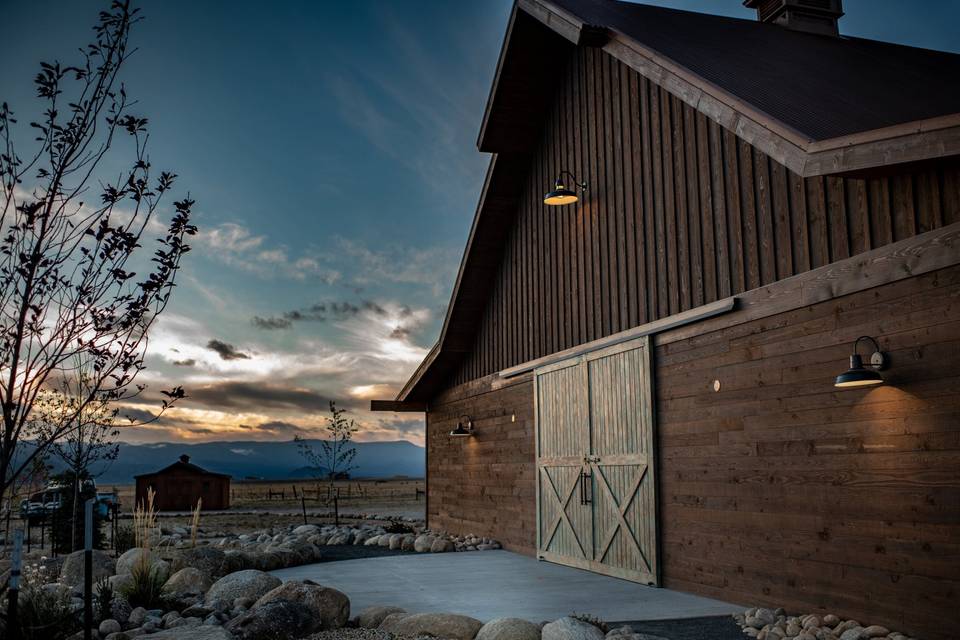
column 441, row 545
column 450, row 626
column 509, row 629
column 71, row 573
column 423, row 543
column 209, row 560
column 568, row 628
column 187, row 582
column 131, row 557
column 273, row 620
column 249, row 583
column 329, row 608
column 371, row 617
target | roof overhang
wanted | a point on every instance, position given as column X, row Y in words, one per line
column 904, row 143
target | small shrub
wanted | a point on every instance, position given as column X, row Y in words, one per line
column 145, row 588
column 589, row 619
column 396, row 526
column 104, row 598
column 124, row 538
column 195, row 524
column 43, row 614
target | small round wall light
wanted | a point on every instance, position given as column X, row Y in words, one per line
column 860, row 375
column 562, row 193
column 464, row 427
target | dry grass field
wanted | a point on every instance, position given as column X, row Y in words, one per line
column 261, row 503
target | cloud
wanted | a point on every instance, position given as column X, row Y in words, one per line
column 432, row 266
column 189, row 362
column 270, row 324
column 240, row 395
column 242, row 452
column 278, row 428
column 226, row 351
column 234, row 244
column 400, row 333
column 319, row 312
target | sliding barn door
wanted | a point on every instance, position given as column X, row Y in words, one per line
column 565, row 528
column 595, row 429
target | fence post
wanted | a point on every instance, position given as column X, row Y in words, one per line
column 13, row 591
column 88, row 570
column 336, row 509
column 303, row 505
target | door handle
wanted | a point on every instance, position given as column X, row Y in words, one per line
column 586, row 497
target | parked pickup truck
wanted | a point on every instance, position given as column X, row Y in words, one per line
column 42, row 503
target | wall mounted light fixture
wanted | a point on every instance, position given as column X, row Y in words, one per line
column 464, row 427
column 563, row 194
column 860, row 375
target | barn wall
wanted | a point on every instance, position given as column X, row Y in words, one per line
column 484, row 484
column 679, row 212
column 779, row 489
column 179, row 491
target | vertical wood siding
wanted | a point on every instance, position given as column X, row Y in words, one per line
column 679, row 212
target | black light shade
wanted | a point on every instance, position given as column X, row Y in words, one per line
column 857, row 375
column 560, row 196
column 463, row 429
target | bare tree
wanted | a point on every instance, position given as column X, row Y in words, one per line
column 336, row 455
column 74, row 314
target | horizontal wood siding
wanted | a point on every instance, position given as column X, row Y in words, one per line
column 678, row 212
column 783, row 490
column 779, row 489
column 485, row 484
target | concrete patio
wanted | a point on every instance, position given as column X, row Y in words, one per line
column 493, row 584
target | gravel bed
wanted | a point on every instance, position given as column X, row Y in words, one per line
column 337, row 552
column 348, row 633
column 708, row 628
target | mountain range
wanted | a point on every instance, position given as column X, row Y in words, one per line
column 262, row 460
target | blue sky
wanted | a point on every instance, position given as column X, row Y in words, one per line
column 331, row 149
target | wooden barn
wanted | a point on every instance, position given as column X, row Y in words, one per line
column 647, row 371
column 179, row 486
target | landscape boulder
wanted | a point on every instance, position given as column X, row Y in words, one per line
column 568, row 628
column 441, row 545
column 209, row 560
column 423, row 543
column 71, row 573
column 131, row 557
column 509, row 629
column 329, row 608
column 109, row 626
column 186, row 582
column 371, row 617
column 276, row 620
column 439, row 625
column 249, row 583
column 306, row 530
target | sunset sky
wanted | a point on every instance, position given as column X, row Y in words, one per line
column 330, row 147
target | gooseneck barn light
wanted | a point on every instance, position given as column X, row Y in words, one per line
column 464, row 427
column 860, row 375
column 562, row 194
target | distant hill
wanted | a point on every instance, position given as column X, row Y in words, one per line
column 267, row 460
